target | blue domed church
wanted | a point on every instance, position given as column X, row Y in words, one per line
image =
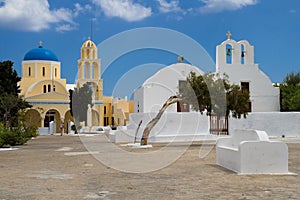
column 43, row 87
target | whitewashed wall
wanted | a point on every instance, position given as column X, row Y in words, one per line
column 179, row 127
column 273, row 123
column 187, row 127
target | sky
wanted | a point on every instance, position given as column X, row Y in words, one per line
column 272, row 26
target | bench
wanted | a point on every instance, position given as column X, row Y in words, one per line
column 251, row 152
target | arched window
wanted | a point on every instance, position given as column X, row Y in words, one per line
column 88, row 71
column 88, row 53
column 44, row 88
column 84, row 70
column 228, row 54
column 93, row 71
column 53, row 88
column 243, row 53
column 29, row 71
column 104, row 110
column 49, row 88
column 43, row 71
column 94, row 54
column 55, row 72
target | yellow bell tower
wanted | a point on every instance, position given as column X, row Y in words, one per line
column 89, row 70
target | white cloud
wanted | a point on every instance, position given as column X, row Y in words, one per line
column 64, row 27
column 124, row 9
column 81, row 9
column 33, row 15
column 220, row 5
column 166, row 7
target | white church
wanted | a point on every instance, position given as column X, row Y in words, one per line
column 235, row 59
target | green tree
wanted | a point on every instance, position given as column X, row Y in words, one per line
column 290, row 92
column 10, row 102
column 79, row 100
column 9, row 79
column 214, row 94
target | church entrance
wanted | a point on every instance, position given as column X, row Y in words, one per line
column 52, row 115
column 218, row 125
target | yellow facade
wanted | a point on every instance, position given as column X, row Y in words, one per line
column 42, row 86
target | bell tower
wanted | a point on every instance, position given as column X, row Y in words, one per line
column 231, row 52
column 89, row 69
column 236, row 60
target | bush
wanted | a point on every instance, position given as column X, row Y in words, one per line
column 16, row 135
column 1, row 141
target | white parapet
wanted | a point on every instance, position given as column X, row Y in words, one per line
column 251, row 152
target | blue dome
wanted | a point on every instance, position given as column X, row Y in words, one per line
column 40, row 54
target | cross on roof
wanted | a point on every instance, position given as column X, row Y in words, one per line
column 228, row 35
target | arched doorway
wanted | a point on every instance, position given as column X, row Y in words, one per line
column 33, row 118
column 52, row 115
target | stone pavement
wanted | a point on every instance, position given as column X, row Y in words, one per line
column 55, row 167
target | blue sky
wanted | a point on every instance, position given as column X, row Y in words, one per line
column 272, row 26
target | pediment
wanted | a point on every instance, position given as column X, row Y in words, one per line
column 49, row 96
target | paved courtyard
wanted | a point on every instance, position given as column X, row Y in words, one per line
column 55, row 167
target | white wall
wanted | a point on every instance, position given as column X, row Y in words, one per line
column 273, row 123
column 172, row 123
column 187, row 127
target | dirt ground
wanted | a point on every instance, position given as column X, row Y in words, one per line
column 55, row 167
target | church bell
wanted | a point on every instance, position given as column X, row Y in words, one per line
column 243, row 54
column 228, row 52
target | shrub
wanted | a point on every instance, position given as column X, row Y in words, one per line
column 16, row 135
column 1, row 141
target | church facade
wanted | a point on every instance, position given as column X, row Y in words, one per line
column 235, row 59
column 42, row 86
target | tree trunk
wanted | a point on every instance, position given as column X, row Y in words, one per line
column 137, row 130
column 153, row 122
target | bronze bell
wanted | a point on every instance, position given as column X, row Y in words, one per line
column 243, row 54
column 228, row 52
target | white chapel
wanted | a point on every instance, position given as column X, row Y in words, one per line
column 236, row 59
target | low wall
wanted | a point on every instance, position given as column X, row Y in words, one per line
column 194, row 126
column 172, row 123
column 274, row 124
column 171, row 127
